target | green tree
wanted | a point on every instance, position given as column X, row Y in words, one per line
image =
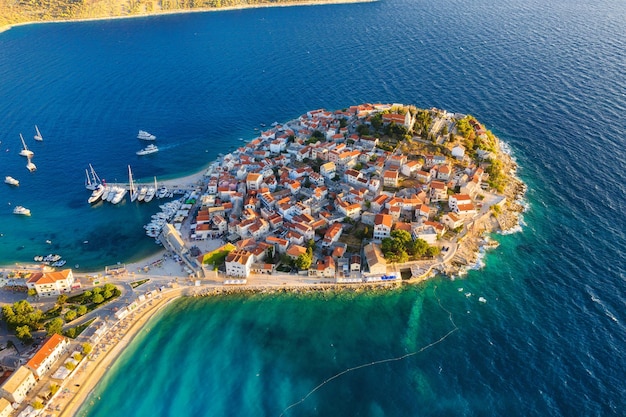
column 70, row 366
column 37, row 405
column 81, row 310
column 304, row 262
column 87, row 348
column 87, row 295
column 109, row 287
column 70, row 315
column 54, row 326
column 71, row 332
column 77, row 357
column 23, row 333
column 61, row 299
column 54, row 388
column 32, row 292
column 98, row 298
column 376, row 121
column 96, row 290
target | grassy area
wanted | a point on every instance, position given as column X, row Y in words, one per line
column 218, row 256
column 135, row 284
column 74, row 332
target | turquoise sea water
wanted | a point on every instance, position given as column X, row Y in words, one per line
column 545, row 77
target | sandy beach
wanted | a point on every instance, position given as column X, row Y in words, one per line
column 116, row 340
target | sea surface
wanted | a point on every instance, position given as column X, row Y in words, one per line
column 546, row 77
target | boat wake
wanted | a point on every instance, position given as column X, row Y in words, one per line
column 367, row 365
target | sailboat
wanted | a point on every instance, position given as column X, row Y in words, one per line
column 133, row 191
column 31, row 166
column 25, row 151
column 91, row 179
column 38, row 134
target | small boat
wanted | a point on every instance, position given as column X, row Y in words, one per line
column 25, row 151
column 141, row 194
column 162, row 193
column 119, row 195
column 143, row 135
column 11, row 181
column 31, row 166
column 38, row 136
column 151, row 192
column 21, row 210
column 96, row 194
column 148, row 150
column 112, row 193
column 105, row 193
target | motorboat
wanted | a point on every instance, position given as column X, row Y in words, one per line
column 96, row 194
column 143, row 135
column 11, row 181
column 148, row 150
column 21, row 211
column 149, row 194
column 143, row 190
column 119, row 195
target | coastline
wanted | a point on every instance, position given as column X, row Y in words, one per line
column 162, row 270
column 181, row 11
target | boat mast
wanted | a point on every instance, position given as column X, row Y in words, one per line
column 133, row 192
column 23, row 143
column 87, row 180
column 95, row 177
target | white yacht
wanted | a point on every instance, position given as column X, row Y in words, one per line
column 162, row 193
column 143, row 135
column 142, row 193
column 21, row 210
column 11, row 181
column 112, row 193
column 25, row 151
column 38, row 136
column 105, row 193
column 150, row 194
column 148, row 150
column 119, row 195
column 96, row 194
column 31, row 166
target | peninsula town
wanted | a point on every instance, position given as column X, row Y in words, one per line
column 374, row 194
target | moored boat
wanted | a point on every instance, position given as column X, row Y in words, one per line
column 11, row 181
column 31, row 166
column 96, row 194
column 119, row 195
column 25, row 151
column 21, row 211
column 141, row 194
column 38, row 135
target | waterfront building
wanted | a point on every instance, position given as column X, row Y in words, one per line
column 375, row 260
column 47, row 355
column 51, row 283
column 18, row 385
column 239, row 263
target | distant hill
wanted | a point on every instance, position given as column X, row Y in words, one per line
column 19, row 11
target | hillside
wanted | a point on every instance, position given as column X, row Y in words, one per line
column 20, row 11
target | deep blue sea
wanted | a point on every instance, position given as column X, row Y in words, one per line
column 546, row 77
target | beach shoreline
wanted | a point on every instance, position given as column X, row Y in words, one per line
column 180, row 11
